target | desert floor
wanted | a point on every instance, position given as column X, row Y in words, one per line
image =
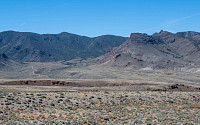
column 27, row 104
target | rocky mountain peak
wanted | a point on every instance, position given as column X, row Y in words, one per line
column 143, row 38
column 164, row 32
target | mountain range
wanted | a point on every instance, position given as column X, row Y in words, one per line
column 33, row 47
column 163, row 50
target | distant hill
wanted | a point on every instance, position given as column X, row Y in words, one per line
column 163, row 50
column 32, row 47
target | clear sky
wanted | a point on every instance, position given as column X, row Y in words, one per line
column 99, row 17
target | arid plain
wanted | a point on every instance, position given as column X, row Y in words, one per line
column 100, row 96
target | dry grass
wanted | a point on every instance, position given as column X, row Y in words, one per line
column 103, row 107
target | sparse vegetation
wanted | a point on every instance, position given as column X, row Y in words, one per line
column 113, row 106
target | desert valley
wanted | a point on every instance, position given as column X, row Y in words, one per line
column 70, row 79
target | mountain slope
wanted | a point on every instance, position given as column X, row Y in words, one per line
column 7, row 64
column 32, row 47
column 160, row 50
column 3, row 60
column 102, row 44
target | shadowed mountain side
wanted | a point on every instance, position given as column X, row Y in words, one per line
column 32, row 47
column 8, row 65
column 3, row 60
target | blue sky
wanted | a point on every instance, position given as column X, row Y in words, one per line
column 99, row 17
